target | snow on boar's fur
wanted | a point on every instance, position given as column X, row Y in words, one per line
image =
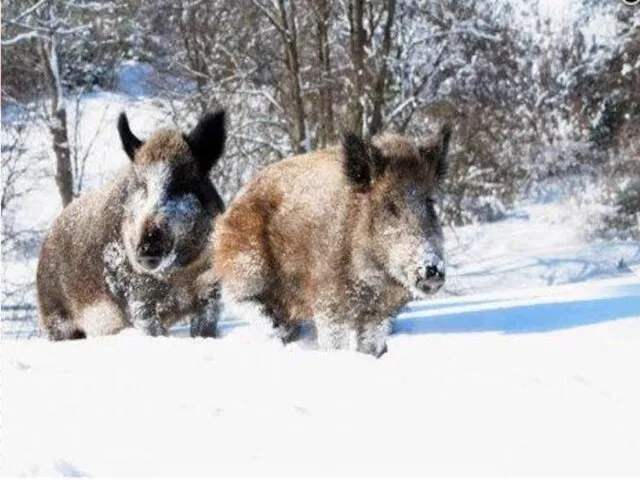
column 344, row 237
column 130, row 253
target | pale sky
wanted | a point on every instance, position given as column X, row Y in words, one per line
column 559, row 10
column 563, row 11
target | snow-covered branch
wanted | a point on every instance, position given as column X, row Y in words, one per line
column 22, row 37
column 54, row 66
column 29, row 10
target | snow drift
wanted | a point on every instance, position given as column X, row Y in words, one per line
column 536, row 382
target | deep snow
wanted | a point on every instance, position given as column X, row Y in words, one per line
column 540, row 383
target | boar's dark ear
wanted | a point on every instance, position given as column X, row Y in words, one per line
column 130, row 143
column 363, row 162
column 435, row 153
column 207, row 139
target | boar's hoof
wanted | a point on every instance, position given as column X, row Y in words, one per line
column 152, row 328
column 287, row 333
column 203, row 328
column 373, row 349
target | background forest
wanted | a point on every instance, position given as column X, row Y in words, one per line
column 544, row 96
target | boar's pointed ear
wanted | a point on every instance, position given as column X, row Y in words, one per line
column 363, row 162
column 435, row 153
column 207, row 139
column 130, row 143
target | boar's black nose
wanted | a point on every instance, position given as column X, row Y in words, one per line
column 433, row 273
column 432, row 280
column 150, row 262
column 153, row 248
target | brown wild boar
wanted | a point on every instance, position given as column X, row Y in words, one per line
column 343, row 237
column 130, row 254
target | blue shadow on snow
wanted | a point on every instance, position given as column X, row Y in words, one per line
column 534, row 318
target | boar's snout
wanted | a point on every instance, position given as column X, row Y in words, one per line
column 155, row 245
column 431, row 278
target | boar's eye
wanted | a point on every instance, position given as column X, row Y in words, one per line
column 142, row 188
column 393, row 208
column 139, row 185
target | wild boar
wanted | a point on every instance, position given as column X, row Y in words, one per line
column 130, row 254
column 343, row 237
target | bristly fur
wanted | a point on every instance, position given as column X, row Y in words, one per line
column 132, row 253
column 343, row 237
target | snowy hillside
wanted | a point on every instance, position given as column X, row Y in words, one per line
column 540, row 381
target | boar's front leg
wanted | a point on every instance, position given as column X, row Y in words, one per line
column 285, row 329
column 372, row 337
column 138, row 294
column 334, row 334
column 204, row 321
column 144, row 316
column 363, row 335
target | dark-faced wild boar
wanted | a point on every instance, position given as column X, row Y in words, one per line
column 131, row 253
column 344, row 237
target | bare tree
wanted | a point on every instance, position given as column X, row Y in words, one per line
column 283, row 17
column 20, row 174
column 49, row 26
column 382, row 72
column 356, row 45
column 322, row 10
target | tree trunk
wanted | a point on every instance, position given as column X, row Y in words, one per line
column 188, row 32
column 379, row 87
column 58, row 123
column 327, row 130
column 357, row 40
column 290, row 40
column 64, row 175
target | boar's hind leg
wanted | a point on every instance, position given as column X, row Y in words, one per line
column 288, row 332
column 59, row 327
column 280, row 326
column 55, row 320
column 285, row 329
column 261, row 313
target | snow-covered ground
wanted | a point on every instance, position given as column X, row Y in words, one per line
column 526, row 363
column 544, row 381
column 537, row 245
